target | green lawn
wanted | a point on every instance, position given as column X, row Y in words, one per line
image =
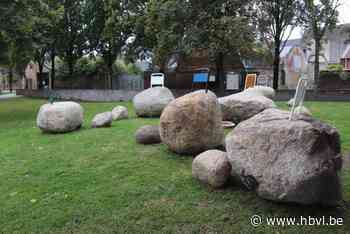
column 101, row 181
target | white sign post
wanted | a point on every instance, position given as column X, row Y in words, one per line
column 299, row 95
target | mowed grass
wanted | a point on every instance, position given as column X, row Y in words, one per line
column 101, row 181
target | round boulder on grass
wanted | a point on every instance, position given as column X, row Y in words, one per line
column 212, row 167
column 148, row 135
column 102, row 120
column 151, row 102
column 192, row 124
column 267, row 92
column 244, row 105
column 60, row 117
column 120, row 112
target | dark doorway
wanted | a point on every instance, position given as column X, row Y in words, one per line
column 43, row 80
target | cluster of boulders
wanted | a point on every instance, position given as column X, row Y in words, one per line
column 64, row 117
column 281, row 160
column 188, row 125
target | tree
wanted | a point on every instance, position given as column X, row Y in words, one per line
column 220, row 27
column 46, row 33
column 111, row 25
column 276, row 21
column 72, row 41
column 319, row 17
column 17, row 19
column 223, row 28
column 165, row 24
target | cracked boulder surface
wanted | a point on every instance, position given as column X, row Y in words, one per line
column 191, row 124
column 287, row 161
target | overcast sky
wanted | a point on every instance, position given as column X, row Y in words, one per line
column 344, row 17
column 345, row 12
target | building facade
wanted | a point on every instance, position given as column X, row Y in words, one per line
column 298, row 56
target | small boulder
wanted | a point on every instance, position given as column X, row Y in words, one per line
column 102, row 120
column 119, row 113
column 191, row 124
column 148, row 135
column 242, row 106
column 265, row 91
column 212, row 167
column 151, row 102
column 60, row 117
column 287, row 161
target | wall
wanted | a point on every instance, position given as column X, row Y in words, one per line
column 81, row 95
column 331, row 81
column 31, row 74
column 120, row 82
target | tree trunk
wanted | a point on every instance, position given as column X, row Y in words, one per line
column 41, row 69
column 220, row 74
column 53, row 72
column 276, row 64
column 317, row 64
column 70, row 69
column 110, row 68
column 71, row 72
column 110, row 71
column 10, row 78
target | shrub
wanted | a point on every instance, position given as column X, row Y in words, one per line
column 335, row 68
column 88, row 66
column 120, row 66
column 335, row 71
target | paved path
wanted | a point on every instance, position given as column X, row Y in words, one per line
column 8, row 96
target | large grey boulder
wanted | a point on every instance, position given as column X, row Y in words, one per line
column 287, row 161
column 102, row 120
column 119, row 113
column 151, row 102
column 212, row 167
column 148, row 135
column 60, row 117
column 191, row 124
column 265, row 91
column 242, row 106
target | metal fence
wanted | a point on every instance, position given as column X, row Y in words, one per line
column 128, row 82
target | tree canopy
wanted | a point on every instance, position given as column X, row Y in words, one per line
column 42, row 30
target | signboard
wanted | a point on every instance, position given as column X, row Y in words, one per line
column 263, row 80
column 212, row 78
column 250, row 81
column 200, row 78
column 232, row 81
